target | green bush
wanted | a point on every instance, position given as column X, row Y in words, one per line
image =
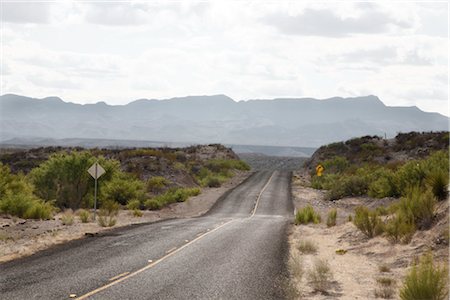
column 133, row 204
column 383, row 184
column 307, row 215
column 17, row 198
column 425, row 281
column 438, row 183
column 217, row 171
column 337, row 164
column 153, row 204
column 368, row 221
column 157, row 184
column 171, row 196
column 410, row 174
column 122, row 189
column 400, row 228
column 84, row 215
column 212, row 181
column 324, row 182
column 108, row 213
column 331, row 218
column 353, row 185
column 64, row 177
column 419, row 206
column 40, row 210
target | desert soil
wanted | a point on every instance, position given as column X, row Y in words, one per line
column 356, row 271
column 19, row 237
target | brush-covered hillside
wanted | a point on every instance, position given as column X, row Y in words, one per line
column 410, row 173
column 34, row 183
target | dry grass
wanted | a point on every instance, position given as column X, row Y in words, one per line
column 385, row 288
column 320, row 276
column 307, row 247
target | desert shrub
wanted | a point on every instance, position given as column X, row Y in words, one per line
column 296, row 266
column 337, row 164
column 153, row 204
column 352, row 185
column 331, row 218
column 122, row 189
column 418, row 205
column 108, row 213
column 368, row 221
column 40, row 210
column 133, row 204
column 212, row 181
column 382, row 210
column 137, row 213
column 320, row 276
column 383, row 185
column 223, row 165
column 67, row 218
column 84, row 215
column 16, row 204
column 410, row 174
column 157, row 184
column 216, row 171
column 385, row 288
column 384, row 268
column 171, row 196
column 324, row 182
column 438, row 183
column 425, row 280
column 307, row 247
column 17, row 198
column 307, row 215
column 400, row 228
column 64, row 177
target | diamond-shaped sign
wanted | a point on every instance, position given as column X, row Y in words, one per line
column 96, row 170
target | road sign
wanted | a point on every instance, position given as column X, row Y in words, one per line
column 319, row 170
column 96, row 170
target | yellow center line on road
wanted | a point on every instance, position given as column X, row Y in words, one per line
column 93, row 292
column 118, row 276
column 172, row 249
column 260, row 194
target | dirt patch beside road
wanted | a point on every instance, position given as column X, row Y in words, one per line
column 357, row 266
column 20, row 237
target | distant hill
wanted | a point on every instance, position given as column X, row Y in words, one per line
column 302, row 122
column 374, row 149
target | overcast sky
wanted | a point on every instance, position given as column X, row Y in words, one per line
column 118, row 52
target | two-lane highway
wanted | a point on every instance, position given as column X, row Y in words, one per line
column 235, row 251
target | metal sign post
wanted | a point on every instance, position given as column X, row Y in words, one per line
column 96, row 171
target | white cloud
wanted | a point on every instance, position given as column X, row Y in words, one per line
column 325, row 22
column 25, row 12
column 117, row 52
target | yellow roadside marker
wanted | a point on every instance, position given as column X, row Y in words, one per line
column 72, row 295
column 319, row 170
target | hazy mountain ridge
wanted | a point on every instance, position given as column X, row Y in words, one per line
column 211, row 119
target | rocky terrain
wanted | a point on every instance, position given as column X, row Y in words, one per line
column 375, row 149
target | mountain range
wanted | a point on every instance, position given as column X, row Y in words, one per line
column 303, row 122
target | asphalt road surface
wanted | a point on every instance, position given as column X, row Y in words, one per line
column 238, row 250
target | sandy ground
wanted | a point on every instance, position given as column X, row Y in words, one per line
column 19, row 237
column 355, row 273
